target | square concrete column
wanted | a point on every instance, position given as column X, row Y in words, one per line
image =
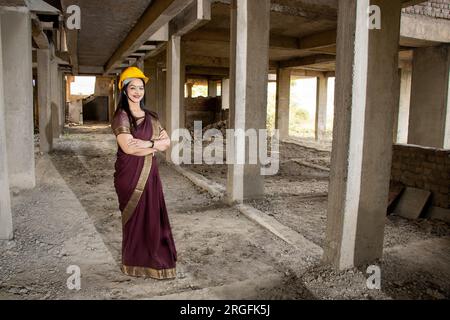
column 175, row 90
column 161, row 92
column 55, row 95
column 225, row 94
column 18, row 95
column 250, row 25
column 366, row 82
column 44, row 100
column 111, row 104
column 140, row 63
column 151, row 87
column 6, row 228
column 283, row 101
column 429, row 111
column 62, row 104
column 401, row 120
column 212, row 88
column 321, row 108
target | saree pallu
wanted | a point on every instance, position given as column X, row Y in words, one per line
column 148, row 247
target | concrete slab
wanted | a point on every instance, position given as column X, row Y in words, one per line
column 412, row 203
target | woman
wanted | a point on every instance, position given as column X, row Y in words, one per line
column 148, row 248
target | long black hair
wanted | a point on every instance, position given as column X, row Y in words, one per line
column 125, row 106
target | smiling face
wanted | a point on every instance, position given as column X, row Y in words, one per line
column 136, row 90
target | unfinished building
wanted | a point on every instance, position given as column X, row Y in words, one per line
column 390, row 146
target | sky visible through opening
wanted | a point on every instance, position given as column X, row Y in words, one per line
column 83, row 86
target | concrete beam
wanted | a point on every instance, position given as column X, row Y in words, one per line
column 147, row 47
column 94, row 70
column 158, row 14
column 319, row 40
column 194, row 16
column 207, row 71
column 308, row 73
column 416, row 27
column 161, row 35
column 41, row 7
column 222, row 36
column 207, row 61
column 307, row 61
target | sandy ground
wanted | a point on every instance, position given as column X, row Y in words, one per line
column 72, row 218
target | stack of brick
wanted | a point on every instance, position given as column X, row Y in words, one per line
column 423, row 168
column 434, row 8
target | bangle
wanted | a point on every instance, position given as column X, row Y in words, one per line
column 153, row 143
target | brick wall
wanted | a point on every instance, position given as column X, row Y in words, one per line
column 423, row 168
column 434, row 8
column 208, row 110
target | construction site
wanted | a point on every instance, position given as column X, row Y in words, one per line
column 355, row 93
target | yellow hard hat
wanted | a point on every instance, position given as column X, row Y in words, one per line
column 131, row 72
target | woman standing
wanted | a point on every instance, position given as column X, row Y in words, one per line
column 148, row 248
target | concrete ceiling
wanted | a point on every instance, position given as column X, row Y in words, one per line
column 299, row 30
column 104, row 25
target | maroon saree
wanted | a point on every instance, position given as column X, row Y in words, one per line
column 148, row 248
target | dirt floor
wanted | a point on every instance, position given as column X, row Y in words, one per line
column 72, row 218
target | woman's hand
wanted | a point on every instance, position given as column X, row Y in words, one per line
column 139, row 144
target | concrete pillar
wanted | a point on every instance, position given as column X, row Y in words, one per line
column 111, row 105
column 283, row 102
column 62, row 105
column 366, row 77
column 140, row 63
column 212, row 88
column 189, row 86
column 151, row 87
column 321, row 108
column 401, row 120
column 175, row 90
column 6, row 227
column 44, row 100
column 226, row 94
column 161, row 92
column 429, row 111
column 18, row 95
column 250, row 24
column 55, row 94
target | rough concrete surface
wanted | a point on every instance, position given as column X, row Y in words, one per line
column 72, row 218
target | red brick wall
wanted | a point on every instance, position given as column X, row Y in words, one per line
column 423, row 168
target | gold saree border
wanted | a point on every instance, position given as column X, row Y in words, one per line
column 149, row 272
column 121, row 129
column 138, row 191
